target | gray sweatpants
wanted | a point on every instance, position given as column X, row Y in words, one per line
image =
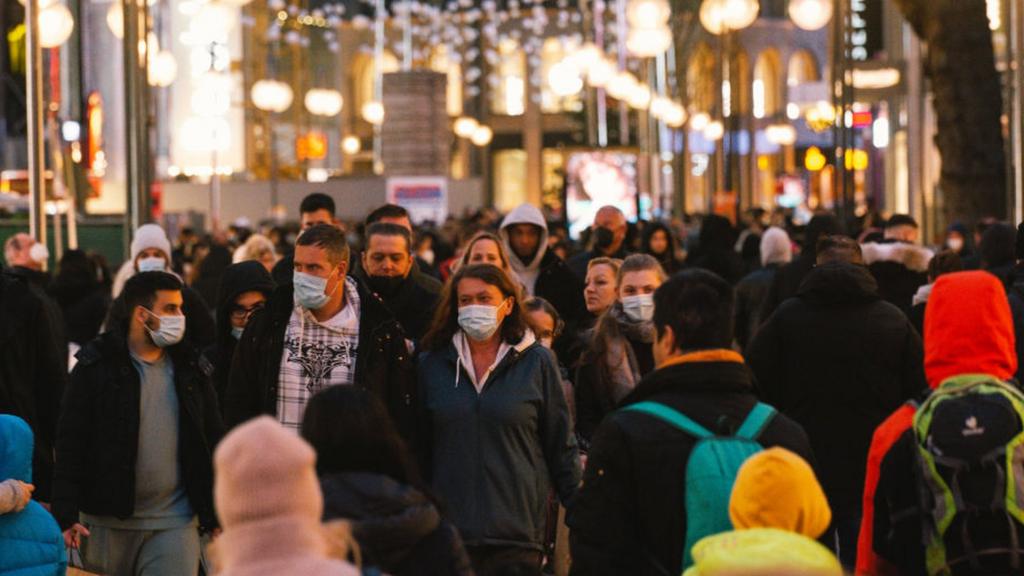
column 116, row 552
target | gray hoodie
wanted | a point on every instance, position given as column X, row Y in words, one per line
column 528, row 271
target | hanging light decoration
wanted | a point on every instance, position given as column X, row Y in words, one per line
column 639, row 98
column 660, row 107
column 648, row 13
column 714, row 131
column 115, row 19
column 601, row 73
column 162, row 69
column 324, row 102
column 781, row 134
column 699, row 121
column 482, row 136
column 649, row 34
column 351, row 145
column 373, row 112
column 647, row 43
column 564, row 79
column 271, row 95
column 719, row 16
column 55, row 25
column 621, row 85
column 676, row 116
column 810, row 14
column 465, row 127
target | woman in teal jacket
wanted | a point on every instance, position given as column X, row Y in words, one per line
column 30, row 541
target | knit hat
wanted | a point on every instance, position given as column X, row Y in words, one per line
column 150, row 236
column 776, row 247
column 265, row 472
column 968, row 328
column 777, row 489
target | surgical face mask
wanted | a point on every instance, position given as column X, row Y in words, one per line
column 546, row 342
column 236, row 332
column 479, row 322
column 639, row 308
column 428, row 256
column 955, row 244
column 39, row 253
column 309, row 290
column 170, row 332
column 152, row 264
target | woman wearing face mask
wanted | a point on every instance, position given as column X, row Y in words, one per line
column 619, row 354
column 499, row 427
column 244, row 289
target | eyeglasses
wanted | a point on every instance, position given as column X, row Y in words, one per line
column 243, row 314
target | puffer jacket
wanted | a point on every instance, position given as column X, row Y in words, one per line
column 399, row 530
column 30, row 541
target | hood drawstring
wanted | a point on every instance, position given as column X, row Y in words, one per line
column 458, row 369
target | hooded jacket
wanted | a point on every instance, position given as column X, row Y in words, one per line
column 630, row 515
column 413, row 302
column 777, row 489
column 978, row 340
column 546, row 276
column 30, row 540
column 715, row 250
column 838, row 360
column 900, row 268
column 399, row 530
column 496, row 454
column 787, row 281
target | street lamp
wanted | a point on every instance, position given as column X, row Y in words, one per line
column 323, row 102
column 465, row 127
column 271, row 95
column 810, row 14
column 482, row 136
column 649, row 34
column 721, row 16
column 373, row 112
column 351, row 145
column 55, row 25
column 163, row 69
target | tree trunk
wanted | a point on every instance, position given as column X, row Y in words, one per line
column 960, row 62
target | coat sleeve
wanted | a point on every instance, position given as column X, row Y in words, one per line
column 765, row 358
column 200, row 326
column 402, row 390
column 560, row 451
column 913, row 379
column 74, row 432
column 213, row 429
column 588, row 405
column 741, row 316
column 603, row 538
column 425, row 432
column 242, row 398
column 48, row 387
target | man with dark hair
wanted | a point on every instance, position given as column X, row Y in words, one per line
column 422, row 272
column 630, row 515
column 388, row 271
column 838, row 359
column 135, row 439
column 316, row 208
column 390, row 214
column 609, row 239
column 943, row 263
column 324, row 328
column 898, row 264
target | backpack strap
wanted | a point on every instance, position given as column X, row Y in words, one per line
column 758, row 419
column 670, row 416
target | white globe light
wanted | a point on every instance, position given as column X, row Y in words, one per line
column 712, row 16
column 324, row 102
column 714, row 131
column 741, row 13
column 648, row 13
column 621, row 85
column 781, row 134
column 585, row 57
column 271, row 95
column 639, row 97
column 564, row 79
column 115, row 19
column 810, row 14
column 55, row 25
column 163, row 69
column 676, row 116
column 482, row 136
column 699, row 121
column 648, row 42
column 660, row 107
column 601, row 73
column 213, row 22
column 373, row 112
column 351, row 145
column 465, row 127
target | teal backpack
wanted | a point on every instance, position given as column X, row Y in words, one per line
column 712, row 468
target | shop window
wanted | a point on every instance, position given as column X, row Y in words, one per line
column 440, row 62
column 509, row 98
column 509, row 179
column 554, row 51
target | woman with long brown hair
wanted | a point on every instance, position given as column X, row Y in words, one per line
column 500, row 434
column 619, row 352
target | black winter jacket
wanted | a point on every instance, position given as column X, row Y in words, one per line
column 32, row 374
column 751, row 294
column 630, row 515
column 838, row 360
column 899, row 269
column 413, row 304
column 594, row 399
column 399, row 530
column 383, row 363
column 98, row 433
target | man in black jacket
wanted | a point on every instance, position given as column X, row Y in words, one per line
column 388, row 270
column 135, row 440
column 898, row 264
column 609, row 239
column 323, row 329
column 630, row 515
column 32, row 374
column 788, row 279
column 838, row 359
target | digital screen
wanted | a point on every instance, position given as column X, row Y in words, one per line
column 596, row 179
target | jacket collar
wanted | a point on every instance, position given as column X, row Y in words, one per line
column 716, row 371
column 839, row 284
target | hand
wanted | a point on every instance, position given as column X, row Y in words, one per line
column 24, row 494
column 73, row 535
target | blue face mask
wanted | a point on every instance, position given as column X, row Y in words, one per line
column 236, row 332
column 310, row 290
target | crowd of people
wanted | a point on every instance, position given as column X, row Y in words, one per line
column 487, row 396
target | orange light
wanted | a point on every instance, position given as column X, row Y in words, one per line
column 856, row 160
column 814, row 160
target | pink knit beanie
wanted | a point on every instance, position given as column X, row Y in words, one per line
column 263, row 472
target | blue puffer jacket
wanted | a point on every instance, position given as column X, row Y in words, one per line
column 30, row 541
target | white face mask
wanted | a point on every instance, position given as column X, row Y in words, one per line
column 237, row 332
column 639, row 308
column 479, row 322
column 310, row 290
column 955, row 244
column 152, row 264
column 39, row 253
column 546, row 342
column 428, row 256
column 170, row 332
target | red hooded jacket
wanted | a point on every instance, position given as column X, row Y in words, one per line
column 968, row 330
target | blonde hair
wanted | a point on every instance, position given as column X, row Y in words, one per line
column 464, row 260
column 255, row 248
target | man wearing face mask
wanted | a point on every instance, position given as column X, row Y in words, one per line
column 387, row 270
column 609, row 236
column 324, row 329
column 244, row 289
column 134, row 473
column 25, row 257
column 150, row 252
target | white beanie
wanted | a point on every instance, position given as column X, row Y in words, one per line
column 776, row 247
column 150, row 236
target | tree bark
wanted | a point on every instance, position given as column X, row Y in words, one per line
column 960, row 62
